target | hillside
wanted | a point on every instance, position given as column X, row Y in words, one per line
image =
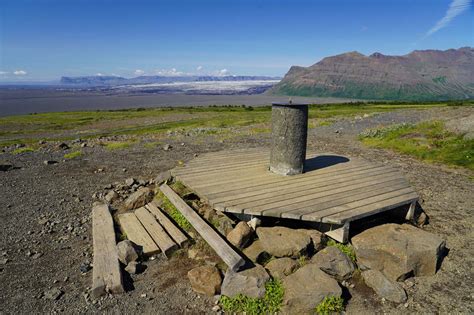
column 419, row 75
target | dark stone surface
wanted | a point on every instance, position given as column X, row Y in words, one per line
column 289, row 135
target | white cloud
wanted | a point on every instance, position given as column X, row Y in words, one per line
column 99, row 74
column 170, row 72
column 139, row 72
column 20, row 72
column 223, row 72
column 455, row 8
column 199, row 68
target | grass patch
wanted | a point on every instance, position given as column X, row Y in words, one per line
column 174, row 213
column 330, row 305
column 72, row 155
column 346, row 249
column 151, row 145
column 118, row 145
column 269, row 304
column 23, row 150
column 428, row 141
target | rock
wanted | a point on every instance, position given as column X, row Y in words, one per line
column 130, row 181
column 249, row 282
column 240, row 235
column 84, row 144
column 205, row 280
column 334, row 262
column 111, row 196
column 133, row 268
column 4, row 261
column 126, row 252
column 5, row 166
column 256, row 253
column 254, row 223
column 306, row 288
column 167, row 147
column 53, row 294
column 422, row 219
column 399, row 250
column 225, row 224
column 162, row 177
column 139, row 198
column 50, row 162
column 85, row 267
column 384, row 288
column 280, row 241
column 281, row 267
column 63, row 146
column 316, row 238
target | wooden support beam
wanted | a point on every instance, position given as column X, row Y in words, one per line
column 220, row 246
column 156, row 231
column 106, row 276
column 168, row 225
column 411, row 211
column 136, row 233
column 341, row 234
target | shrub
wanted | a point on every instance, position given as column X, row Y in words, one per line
column 330, row 305
column 269, row 304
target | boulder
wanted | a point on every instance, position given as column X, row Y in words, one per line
column 306, row 288
column 316, row 238
column 225, row 224
column 384, row 288
column 111, row 196
column 398, row 251
column 130, row 181
column 205, row 280
column 63, row 146
column 334, row 262
column 280, row 241
column 240, row 235
column 139, row 198
column 256, row 253
column 126, row 252
column 133, row 268
column 249, row 282
column 281, row 267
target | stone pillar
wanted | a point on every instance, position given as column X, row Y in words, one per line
column 289, row 134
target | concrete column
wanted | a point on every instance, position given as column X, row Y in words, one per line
column 289, row 135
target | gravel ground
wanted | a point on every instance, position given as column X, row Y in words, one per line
column 46, row 228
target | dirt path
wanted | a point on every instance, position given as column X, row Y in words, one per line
column 45, row 227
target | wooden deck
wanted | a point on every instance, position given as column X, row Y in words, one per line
column 334, row 189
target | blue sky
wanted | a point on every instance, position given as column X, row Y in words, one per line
column 43, row 40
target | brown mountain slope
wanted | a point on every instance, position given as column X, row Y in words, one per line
column 419, row 75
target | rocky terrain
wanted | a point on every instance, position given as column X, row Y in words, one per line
column 46, row 246
column 419, row 75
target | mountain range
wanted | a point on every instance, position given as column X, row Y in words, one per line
column 419, row 75
column 116, row 80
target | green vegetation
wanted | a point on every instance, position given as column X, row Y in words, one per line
column 216, row 120
column 428, row 141
column 119, row 145
column 269, row 304
column 72, row 155
column 346, row 249
column 23, row 150
column 330, row 305
column 173, row 212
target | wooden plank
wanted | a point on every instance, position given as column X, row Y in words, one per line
column 220, row 246
column 156, row 231
column 287, row 192
column 106, row 276
column 213, row 168
column 262, row 179
column 328, row 205
column 297, row 186
column 293, row 208
column 136, row 233
column 167, row 224
column 375, row 208
column 329, row 212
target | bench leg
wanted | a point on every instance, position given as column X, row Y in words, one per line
column 411, row 211
column 341, row 234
